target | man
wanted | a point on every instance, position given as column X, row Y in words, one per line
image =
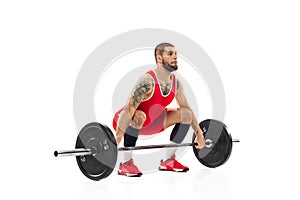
column 145, row 112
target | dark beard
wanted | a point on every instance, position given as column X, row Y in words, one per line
column 169, row 67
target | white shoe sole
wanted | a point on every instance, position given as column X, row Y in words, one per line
column 163, row 168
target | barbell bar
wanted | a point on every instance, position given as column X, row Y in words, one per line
column 84, row 152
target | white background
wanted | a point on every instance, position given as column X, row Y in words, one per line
column 254, row 45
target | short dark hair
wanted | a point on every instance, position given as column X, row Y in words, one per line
column 160, row 48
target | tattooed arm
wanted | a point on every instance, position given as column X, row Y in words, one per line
column 142, row 90
column 183, row 103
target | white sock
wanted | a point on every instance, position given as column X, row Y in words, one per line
column 127, row 156
column 170, row 151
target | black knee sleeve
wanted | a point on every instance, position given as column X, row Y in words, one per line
column 179, row 132
column 130, row 136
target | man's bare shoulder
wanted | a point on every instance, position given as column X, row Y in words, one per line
column 145, row 81
column 146, row 77
column 142, row 90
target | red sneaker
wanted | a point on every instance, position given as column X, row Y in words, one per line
column 172, row 165
column 129, row 169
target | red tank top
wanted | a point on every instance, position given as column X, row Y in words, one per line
column 154, row 106
column 157, row 102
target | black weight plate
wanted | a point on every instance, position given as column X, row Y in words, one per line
column 219, row 153
column 100, row 139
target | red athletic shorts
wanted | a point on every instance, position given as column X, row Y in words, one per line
column 156, row 126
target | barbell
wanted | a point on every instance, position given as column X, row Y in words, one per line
column 96, row 149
